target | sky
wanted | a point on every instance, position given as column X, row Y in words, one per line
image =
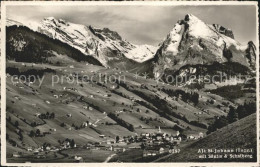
column 144, row 24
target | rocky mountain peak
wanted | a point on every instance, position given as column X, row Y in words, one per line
column 104, row 44
column 192, row 41
column 226, row 31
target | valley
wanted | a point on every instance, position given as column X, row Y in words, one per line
column 82, row 94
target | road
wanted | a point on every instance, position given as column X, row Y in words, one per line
column 109, row 157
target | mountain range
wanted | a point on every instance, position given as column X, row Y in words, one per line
column 190, row 42
column 95, row 112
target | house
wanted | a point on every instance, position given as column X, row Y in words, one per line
column 29, row 149
column 110, row 142
column 69, row 115
column 56, row 96
column 17, row 154
column 71, row 66
column 78, row 159
column 54, row 149
column 161, row 150
column 84, row 124
column 109, row 148
column 102, row 136
column 48, row 148
column 113, row 87
column 17, row 97
column 149, row 152
column 201, row 135
column 36, row 151
column 37, row 114
column 40, row 156
column 47, row 102
column 119, row 149
column 53, row 129
column 191, row 137
column 159, row 137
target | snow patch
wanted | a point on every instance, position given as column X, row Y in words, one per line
column 141, row 53
column 175, row 38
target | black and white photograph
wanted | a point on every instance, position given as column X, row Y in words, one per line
column 129, row 82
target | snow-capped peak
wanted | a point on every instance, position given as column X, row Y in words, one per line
column 49, row 18
column 192, row 41
column 95, row 41
column 198, row 28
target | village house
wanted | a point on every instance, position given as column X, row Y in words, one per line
column 40, row 156
column 85, row 107
column 102, row 136
column 119, row 149
column 110, row 142
column 113, row 87
column 78, row 159
column 68, row 115
column 54, row 149
column 53, row 129
column 29, row 149
column 84, row 124
column 154, row 151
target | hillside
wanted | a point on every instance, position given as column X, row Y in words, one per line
column 194, row 42
column 240, row 134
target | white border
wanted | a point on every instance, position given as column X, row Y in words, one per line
column 121, row 3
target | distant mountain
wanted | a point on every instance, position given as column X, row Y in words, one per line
column 25, row 45
column 193, row 42
column 190, row 43
column 103, row 44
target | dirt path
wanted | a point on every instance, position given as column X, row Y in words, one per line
column 109, row 157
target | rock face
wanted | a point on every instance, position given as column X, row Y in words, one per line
column 223, row 30
column 103, row 44
column 192, row 42
column 251, row 53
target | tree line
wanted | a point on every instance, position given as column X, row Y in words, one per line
column 234, row 114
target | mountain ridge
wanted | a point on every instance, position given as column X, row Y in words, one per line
column 190, row 42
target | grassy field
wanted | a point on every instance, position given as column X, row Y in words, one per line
column 240, row 134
